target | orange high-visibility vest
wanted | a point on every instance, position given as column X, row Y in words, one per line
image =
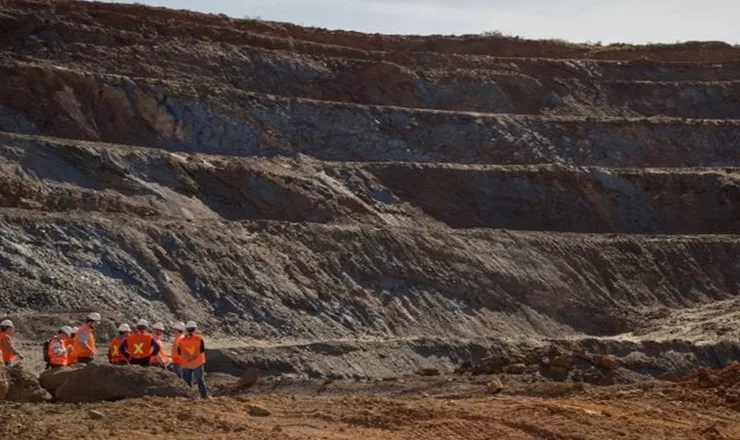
column 80, row 349
column 58, row 360
column 6, row 340
column 114, row 350
column 176, row 358
column 190, row 346
column 139, row 345
column 161, row 357
column 72, row 355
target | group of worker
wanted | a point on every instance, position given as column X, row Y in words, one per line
column 141, row 347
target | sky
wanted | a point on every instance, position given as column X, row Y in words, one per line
column 607, row 21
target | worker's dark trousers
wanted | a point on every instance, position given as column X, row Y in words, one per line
column 197, row 375
column 144, row 362
column 175, row 368
column 85, row 360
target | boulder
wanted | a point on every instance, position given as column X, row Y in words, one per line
column 102, row 382
column 428, row 372
column 559, row 362
column 595, row 376
column 516, row 369
column 495, row 386
column 54, row 378
column 608, row 362
column 95, row 414
column 258, row 411
column 23, row 386
column 249, row 378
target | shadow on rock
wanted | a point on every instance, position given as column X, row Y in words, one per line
column 18, row 385
column 102, row 382
column 52, row 379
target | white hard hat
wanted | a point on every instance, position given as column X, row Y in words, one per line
column 74, row 329
column 158, row 326
column 67, row 330
column 124, row 328
column 94, row 316
column 191, row 324
column 7, row 323
column 142, row 323
column 179, row 326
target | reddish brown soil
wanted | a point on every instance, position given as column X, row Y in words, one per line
column 647, row 412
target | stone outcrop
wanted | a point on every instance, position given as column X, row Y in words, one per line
column 103, row 382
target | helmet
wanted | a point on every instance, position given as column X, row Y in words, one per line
column 94, row 317
column 158, row 326
column 74, row 329
column 7, row 323
column 179, row 326
column 124, row 328
column 191, row 325
column 142, row 324
column 67, row 330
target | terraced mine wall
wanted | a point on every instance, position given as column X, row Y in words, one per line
column 345, row 205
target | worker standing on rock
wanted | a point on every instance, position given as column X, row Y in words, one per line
column 161, row 360
column 178, row 332
column 85, row 339
column 114, row 348
column 10, row 355
column 192, row 350
column 57, row 350
column 140, row 346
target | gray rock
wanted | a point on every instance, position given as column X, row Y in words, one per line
column 112, row 382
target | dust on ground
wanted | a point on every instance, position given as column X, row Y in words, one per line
column 524, row 411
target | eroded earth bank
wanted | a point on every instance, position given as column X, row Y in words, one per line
column 346, row 212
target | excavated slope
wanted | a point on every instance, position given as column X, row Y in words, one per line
column 388, row 201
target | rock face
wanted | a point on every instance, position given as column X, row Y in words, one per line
column 21, row 386
column 258, row 411
column 601, row 362
column 52, row 379
column 386, row 203
column 101, row 382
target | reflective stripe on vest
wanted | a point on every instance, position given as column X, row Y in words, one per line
column 139, row 345
column 190, row 349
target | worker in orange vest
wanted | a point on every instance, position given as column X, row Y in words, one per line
column 192, row 350
column 114, row 347
column 70, row 343
column 57, row 349
column 10, row 355
column 140, row 346
column 85, row 339
column 178, row 332
column 161, row 360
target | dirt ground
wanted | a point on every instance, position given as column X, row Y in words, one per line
column 542, row 411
